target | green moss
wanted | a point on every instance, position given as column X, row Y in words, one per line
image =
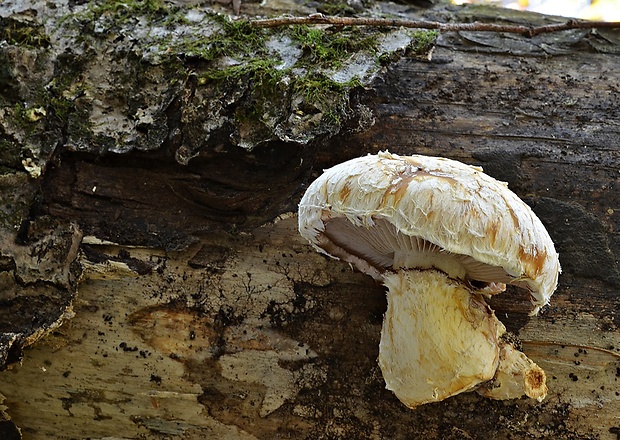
column 176, row 18
column 122, row 10
column 421, row 45
column 261, row 82
column 267, row 91
column 423, row 42
column 258, row 75
column 60, row 109
column 23, row 32
column 19, row 112
column 236, row 39
column 318, row 88
column 239, row 73
column 262, row 70
column 115, row 14
column 26, row 117
column 330, row 48
column 327, row 95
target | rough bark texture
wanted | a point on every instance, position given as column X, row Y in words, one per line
column 196, row 315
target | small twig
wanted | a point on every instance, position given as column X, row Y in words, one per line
column 529, row 31
column 567, row 344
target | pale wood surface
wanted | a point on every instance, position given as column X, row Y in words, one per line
column 258, row 336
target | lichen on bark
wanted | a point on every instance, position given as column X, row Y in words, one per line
column 145, row 76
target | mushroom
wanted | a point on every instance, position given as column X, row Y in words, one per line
column 441, row 236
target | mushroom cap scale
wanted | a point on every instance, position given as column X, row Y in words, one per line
column 379, row 210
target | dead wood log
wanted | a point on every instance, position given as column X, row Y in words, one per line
column 202, row 314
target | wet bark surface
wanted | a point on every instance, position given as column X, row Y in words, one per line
column 200, row 312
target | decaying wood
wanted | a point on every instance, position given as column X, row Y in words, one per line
column 258, row 336
column 201, row 313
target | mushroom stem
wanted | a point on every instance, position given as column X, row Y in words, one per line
column 516, row 375
column 439, row 338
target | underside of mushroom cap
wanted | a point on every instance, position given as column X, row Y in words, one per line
column 421, row 202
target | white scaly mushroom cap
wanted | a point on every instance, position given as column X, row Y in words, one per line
column 441, row 201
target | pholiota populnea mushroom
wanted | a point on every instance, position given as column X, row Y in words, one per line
column 441, row 236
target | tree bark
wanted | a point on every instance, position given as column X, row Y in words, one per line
column 158, row 226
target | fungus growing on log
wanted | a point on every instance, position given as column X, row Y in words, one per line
column 441, row 236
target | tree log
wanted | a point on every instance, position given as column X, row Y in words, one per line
column 171, row 238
